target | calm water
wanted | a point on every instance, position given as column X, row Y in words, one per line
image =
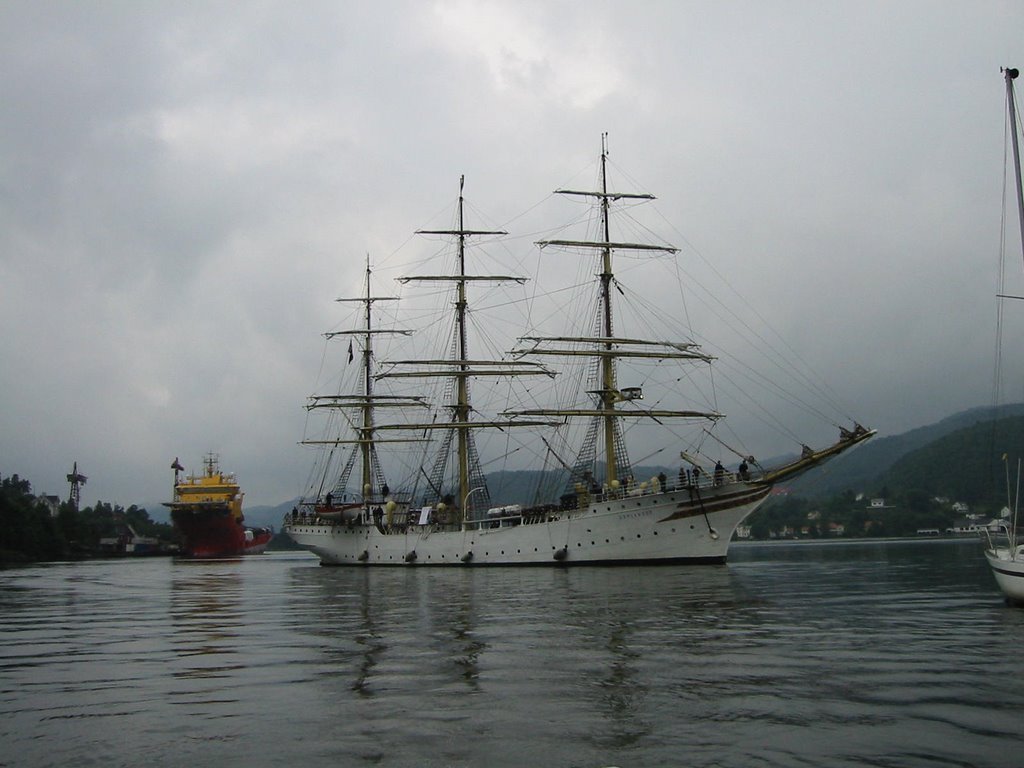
column 881, row 654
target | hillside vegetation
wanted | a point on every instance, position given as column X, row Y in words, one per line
column 29, row 532
column 919, row 487
column 862, row 468
column 966, row 465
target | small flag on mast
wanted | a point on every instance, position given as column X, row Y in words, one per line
column 350, row 353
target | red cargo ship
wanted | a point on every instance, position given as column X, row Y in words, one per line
column 207, row 510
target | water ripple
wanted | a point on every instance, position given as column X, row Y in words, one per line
column 877, row 654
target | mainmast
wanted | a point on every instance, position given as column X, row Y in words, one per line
column 462, row 384
column 461, row 367
column 1010, row 75
column 607, row 360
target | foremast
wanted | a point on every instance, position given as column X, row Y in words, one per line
column 606, row 347
column 459, row 369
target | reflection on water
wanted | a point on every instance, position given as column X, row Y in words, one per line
column 815, row 654
column 207, row 608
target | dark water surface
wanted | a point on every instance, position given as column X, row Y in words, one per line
column 876, row 653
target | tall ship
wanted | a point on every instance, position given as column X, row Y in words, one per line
column 207, row 511
column 403, row 472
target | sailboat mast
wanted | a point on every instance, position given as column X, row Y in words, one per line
column 459, row 366
column 607, row 360
column 367, row 433
column 1010, row 75
column 461, row 382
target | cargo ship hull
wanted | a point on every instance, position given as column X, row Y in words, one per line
column 207, row 511
column 212, row 532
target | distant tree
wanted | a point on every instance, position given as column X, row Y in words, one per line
column 759, row 528
column 778, row 514
column 71, row 529
column 856, row 523
column 27, row 531
column 968, row 465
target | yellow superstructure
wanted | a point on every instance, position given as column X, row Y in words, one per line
column 212, row 488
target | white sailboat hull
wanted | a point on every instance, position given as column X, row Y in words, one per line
column 674, row 526
column 1008, row 569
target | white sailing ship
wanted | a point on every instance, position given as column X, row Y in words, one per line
column 1006, row 556
column 589, row 509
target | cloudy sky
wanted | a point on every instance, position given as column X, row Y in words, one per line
column 187, row 186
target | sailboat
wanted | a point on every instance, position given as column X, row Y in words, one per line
column 1006, row 558
column 595, row 510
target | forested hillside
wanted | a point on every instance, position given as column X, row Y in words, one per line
column 966, row 465
column 863, row 468
column 29, row 532
column 923, row 488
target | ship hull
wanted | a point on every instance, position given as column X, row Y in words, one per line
column 211, row 533
column 675, row 526
column 1008, row 571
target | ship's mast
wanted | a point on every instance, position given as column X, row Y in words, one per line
column 461, row 367
column 607, row 360
column 365, row 444
column 606, row 346
column 460, row 408
column 1010, row 75
column 367, row 402
column 462, row 386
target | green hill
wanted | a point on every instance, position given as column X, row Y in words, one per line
column 966, row 465
column 863, row 468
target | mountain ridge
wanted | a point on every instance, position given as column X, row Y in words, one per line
column 866, row 465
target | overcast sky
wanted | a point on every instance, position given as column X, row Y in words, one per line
column 187, row 186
